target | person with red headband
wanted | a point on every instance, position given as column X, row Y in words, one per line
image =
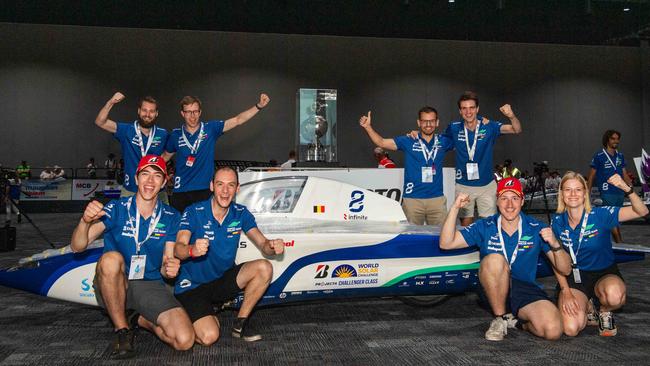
column 510, row 243
column 139, row 237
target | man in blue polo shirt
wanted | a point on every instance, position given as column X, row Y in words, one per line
column 604, row 164
column 423, row 200
column 207, row 243
column 137, row 138
column 474, row 142
column 139, row 236
column 194, row 143
column 510, row 244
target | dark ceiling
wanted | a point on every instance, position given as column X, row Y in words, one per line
column 589, row 22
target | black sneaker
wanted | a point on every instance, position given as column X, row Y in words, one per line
column 242, row 329
column 123, row 344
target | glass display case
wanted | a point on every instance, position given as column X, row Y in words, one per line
column 316, row 125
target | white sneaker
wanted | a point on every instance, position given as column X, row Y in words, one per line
column 511, row 320
column 498, row 329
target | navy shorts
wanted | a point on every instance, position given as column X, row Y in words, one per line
column 589, row 279
column 199, row 302
column 181, row 200
column 524, row 293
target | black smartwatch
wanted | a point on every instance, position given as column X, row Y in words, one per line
column 629, row 192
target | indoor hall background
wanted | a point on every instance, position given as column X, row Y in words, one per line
column 54, row 79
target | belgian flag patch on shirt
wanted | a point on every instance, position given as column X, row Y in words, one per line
column 319, row 209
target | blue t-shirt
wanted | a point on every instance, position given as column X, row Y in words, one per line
column 194, row 170
column 604, row 170
column 415, row 160
column 120, row 226
column 487, row 137
column 484, row 235
column 131, row 152
column 224, row 241
column 595, row 252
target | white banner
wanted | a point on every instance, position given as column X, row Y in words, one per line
column 85, row 189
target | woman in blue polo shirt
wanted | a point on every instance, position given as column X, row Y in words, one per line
column 585, row 233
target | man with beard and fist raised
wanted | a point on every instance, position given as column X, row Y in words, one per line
column 137, row 138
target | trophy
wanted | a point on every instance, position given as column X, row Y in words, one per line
column 317, row 141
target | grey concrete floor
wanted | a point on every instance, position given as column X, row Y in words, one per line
column 37, row 330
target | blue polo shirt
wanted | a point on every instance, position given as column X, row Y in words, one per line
column 605, row 169
column 131, row 152
column 595, row 251
column 483, row 234
column 197, row 176
column 224, row 241
column 487, row 137
column 415, row 160
column 120, row 226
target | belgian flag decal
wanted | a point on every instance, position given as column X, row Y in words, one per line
column 319, row 209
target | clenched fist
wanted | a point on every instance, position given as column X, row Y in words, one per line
column 94, row 211
column 547, row 235
column 170, row 266
column 277, row 245
column 461, row 200
column 617, row 181
column 116, row 98
column 264, row 100
column 200, row 247
column 507, row 110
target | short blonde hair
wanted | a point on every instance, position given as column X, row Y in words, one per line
column 560, row 195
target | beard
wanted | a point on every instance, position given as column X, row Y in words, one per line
column 144, row 124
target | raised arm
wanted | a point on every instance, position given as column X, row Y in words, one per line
column 515, row 125
column 637, row 209
column 102, row 120
column 450, row 238
column 244, row 116
column 89, row 227
column 557, row 255
column 269, row 247
column 170, row 264
column 366, row 123
column 183, row 249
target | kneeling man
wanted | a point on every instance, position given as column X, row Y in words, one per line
column 510, row 243
column 139, row 233
column 207, row 241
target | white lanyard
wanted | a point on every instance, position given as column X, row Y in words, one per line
column 426, row 153
column 155, row 218
column 610, row 159
column 195, row 147
column 470, row 152
column 503, row 244
column 152, row 134
column 574, row 255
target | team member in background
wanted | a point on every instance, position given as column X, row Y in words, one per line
column 474, row 142
column 207, row 243
column 139, row 233
column 424, row 200
column 584, row 232
column 194, row 143
column 510, row 244
column 605, row 163
column 137, row 138
column 383, row 160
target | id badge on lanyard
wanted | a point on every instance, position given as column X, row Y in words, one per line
column 190, row 161
column 574, row 255
column 471, row 167
column 138, row 263
column 472, row 171
column 429, row 171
